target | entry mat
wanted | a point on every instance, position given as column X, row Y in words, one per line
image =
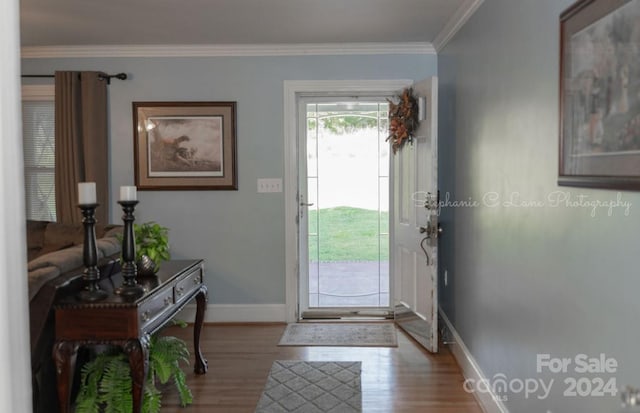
column 312, row 387
column 345, row 334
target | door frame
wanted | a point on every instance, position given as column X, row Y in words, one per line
column 293, row 89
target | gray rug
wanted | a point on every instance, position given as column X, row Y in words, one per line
column 312, row 387
column 347, row 334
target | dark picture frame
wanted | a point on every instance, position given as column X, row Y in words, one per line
column 185, row 145
column 600, row 95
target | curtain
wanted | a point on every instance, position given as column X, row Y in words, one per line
column 81, row 147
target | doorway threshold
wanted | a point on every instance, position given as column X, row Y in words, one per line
column 342, row 315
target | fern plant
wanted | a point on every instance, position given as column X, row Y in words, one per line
column 105, row 381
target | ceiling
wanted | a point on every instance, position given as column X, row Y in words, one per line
column 209, row 22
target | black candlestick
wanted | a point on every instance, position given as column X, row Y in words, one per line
column 92, row 291
column 130, row 286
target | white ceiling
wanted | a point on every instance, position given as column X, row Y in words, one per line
column 202, row 22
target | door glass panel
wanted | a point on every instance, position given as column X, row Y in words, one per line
column 348, row 224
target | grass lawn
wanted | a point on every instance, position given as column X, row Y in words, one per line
column 348, row 234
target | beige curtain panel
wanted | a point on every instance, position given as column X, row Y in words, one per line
column 81, row 146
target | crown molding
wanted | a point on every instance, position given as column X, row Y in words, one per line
column 306, row 49
column 459, row 18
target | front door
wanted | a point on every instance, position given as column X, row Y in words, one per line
column 415, row 226
column 344, row 207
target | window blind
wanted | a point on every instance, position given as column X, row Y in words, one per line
column 38, row 126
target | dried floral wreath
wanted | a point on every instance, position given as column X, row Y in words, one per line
column 403, row 119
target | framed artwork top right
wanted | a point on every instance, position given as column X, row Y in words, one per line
column 600, row 94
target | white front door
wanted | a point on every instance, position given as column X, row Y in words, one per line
column 414, row 256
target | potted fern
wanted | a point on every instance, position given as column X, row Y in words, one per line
column 105, row 381
column 152, row 246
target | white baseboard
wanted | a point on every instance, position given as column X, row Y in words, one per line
column 237, row 313
column 489, row 402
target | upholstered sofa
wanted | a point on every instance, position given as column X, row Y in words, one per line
column 55, row 266
column 54, row 249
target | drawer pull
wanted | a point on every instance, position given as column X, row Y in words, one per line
column 167, row 301
column 146, row 315
column 180, row 291
column 196, row 280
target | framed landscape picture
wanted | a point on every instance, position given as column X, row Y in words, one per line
column 600, row 94
column 185, row 145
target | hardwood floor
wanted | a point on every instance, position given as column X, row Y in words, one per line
column 403, row 379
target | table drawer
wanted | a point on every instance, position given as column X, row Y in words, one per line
column 155, row 306
column 187, row 284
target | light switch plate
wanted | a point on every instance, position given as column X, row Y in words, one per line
column 269, row 185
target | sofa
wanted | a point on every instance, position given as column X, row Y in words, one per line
column 54, row 249
column 55, row 266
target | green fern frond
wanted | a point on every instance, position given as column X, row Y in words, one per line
column 178, row 348
column 87, row 402
column 166, row 353
column 152, row 398
column 115, row 386
column 88, row 399
column 171, row 345
column 162, row 368
column 180, row 381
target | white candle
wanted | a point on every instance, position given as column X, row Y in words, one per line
column 128, row 193
column 86, row 193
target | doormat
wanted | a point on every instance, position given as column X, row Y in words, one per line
column 344, row 335
column 312, row 387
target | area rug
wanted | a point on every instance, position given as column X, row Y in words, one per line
column 347, row 334
column 312, row 387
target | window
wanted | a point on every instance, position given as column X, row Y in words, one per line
column 38, row 128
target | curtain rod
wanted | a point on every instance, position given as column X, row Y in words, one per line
column 121, row 76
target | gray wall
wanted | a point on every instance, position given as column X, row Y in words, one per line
column 240, row 233
column 528, row 280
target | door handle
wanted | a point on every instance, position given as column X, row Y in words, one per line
column 432, row 231
column 303, row 204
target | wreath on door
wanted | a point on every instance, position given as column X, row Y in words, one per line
column 403, row 119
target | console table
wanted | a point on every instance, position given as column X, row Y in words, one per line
column 128, row 323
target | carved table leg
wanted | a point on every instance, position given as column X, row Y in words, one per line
column 64, row 356
column 201, row 300
column 138, row 352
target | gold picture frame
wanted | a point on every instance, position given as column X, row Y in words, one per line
column 185, row 145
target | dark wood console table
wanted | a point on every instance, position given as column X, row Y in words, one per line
column 128, row 323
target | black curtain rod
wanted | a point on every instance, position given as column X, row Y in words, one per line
column 121, row 76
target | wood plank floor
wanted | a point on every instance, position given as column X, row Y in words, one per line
column 400, row 379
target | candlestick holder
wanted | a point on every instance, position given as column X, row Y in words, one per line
column 92, row 291
column 130, row 286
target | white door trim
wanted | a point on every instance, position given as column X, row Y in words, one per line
column 293, row 89
column 15, row 378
